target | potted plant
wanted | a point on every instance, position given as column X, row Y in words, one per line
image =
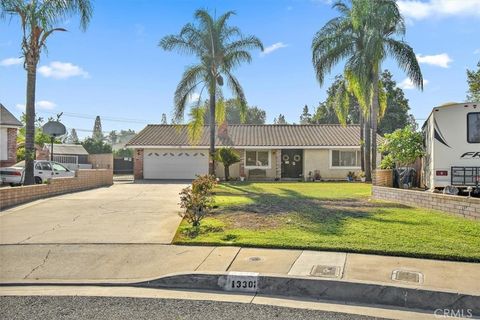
column 362, row 176
column 350, row 176
column 242, row 177
column 317, row 176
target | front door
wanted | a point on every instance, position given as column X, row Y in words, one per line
column 292, row 163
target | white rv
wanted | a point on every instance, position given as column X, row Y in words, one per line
column 452, row 146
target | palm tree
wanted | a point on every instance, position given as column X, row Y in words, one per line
column 365, row 35
column 38, row 19
column 220, row 48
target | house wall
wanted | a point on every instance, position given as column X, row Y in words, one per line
column 8, row 142
column 238, row 168
column 83, row 180
column 319, row 159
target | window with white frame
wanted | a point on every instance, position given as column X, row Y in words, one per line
column 473, row 127
column 257, row 159
column 346, row 159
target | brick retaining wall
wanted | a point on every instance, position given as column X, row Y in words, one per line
column 84, row 179
column 462, row 206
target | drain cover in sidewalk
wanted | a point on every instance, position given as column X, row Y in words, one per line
column 407, row 276
column 325, row 271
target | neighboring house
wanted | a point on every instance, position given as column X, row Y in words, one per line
column 8, row 137
column 267, row 151
column 73, row 156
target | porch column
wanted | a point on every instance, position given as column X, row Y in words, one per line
column 278, row 163
column 242, row 163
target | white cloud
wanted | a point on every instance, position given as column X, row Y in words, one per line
column 273, row 47
column 42, row 104
column 11, row 62
column 440, row 60
column 418, row 10
column 62, row 70
column 407, row 84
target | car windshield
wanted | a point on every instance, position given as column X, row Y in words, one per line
column 20, row 164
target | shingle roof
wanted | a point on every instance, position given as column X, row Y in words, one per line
column 252, row 136
column 8, row 119
column 69, row 149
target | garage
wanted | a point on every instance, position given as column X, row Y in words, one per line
column 174, row 163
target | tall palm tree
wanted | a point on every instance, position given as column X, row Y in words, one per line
column 364, row 34
column 38, row 20
column 220, row 48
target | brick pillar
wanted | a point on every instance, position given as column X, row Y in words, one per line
column 11, row 148
column 242, row 163
column 278, row 163
column 138, row 164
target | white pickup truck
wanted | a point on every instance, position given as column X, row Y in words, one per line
column 43, row 170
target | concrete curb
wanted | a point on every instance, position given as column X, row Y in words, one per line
column 301, row 287
column 325, row 289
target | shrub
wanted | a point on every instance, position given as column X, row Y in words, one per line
column 227, row 156
column 387, row 162
column 197, row 200
column 404, row 146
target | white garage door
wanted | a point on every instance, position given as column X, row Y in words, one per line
column 174, row 163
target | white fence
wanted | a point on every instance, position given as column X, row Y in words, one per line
column 70, row 162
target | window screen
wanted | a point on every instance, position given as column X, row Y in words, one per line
column 473, row 127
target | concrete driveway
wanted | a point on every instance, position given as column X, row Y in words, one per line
column 123, row 213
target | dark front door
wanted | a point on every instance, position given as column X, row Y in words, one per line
column 292, row 163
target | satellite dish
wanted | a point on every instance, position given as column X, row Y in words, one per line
column 54, row 129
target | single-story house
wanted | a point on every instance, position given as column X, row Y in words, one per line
column 8, row 137
column 269, row 152
column 73, row 156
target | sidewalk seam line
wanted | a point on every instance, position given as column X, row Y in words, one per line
column 208, row 255
column 344, row 265
column 291, row 266
column 235, row 257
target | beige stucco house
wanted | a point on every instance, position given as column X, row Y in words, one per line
column 269, row 152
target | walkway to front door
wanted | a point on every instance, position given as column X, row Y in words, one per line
column 292, row 163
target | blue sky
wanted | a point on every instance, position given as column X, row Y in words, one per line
column 116, row 70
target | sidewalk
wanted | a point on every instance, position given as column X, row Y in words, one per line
column 91, row 263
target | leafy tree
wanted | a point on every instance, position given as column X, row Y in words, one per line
column 73, row 137
column 227, row 156
column 38, row 21
column 473, row 80
column 233, row 113
column 364, row 35
column 40, row 138
column 164, row 118
column 404, row 146
column 97, row 130
column 305, row 117
column 96, row 146
column 123, row 153
column 220, row 48
column 280, row 119
column 112, row 137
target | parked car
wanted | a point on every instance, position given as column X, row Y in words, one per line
column 43, row 170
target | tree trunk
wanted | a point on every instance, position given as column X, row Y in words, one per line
column 374, row 113
column 362, row 138
column 227, row 172
column 30, row 125
column 368, row 168
column 211, row 167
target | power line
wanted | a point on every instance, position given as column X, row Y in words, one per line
column 104, row 118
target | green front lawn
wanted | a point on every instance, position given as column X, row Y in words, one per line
column 330, row 216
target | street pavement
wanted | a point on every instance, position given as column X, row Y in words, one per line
column 23, row 308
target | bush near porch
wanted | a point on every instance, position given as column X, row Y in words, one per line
column 330, row 216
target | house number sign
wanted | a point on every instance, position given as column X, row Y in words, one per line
column 241, row 281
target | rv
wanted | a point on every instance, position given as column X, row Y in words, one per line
column 452, row 147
